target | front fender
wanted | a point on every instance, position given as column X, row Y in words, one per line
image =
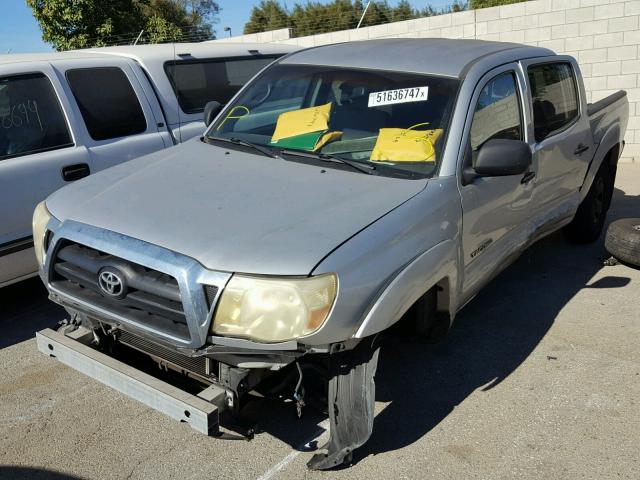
column 417, row 278
column 368, row 263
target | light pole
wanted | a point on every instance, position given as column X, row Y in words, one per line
column 228, row 29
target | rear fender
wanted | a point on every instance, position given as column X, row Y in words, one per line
column 610, row 141
column 412, row 282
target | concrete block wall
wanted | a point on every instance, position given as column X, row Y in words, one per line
column 603, row 35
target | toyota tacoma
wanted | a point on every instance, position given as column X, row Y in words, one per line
column 346, row 188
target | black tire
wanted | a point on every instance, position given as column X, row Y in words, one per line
column 623, row 240
column 588, row 223
column 423, row 321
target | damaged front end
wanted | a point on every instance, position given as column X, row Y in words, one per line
column 162, row 329
column 197, row 389
column 351, row 402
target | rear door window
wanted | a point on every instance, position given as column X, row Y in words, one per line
column 31, row 118
column 198, row 82
column 109, row 105
column 554, row 98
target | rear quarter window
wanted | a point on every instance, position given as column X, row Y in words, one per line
column 196, row 82
column 31, row 118
column 109, row 106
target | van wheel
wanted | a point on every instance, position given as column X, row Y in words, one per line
column 588, row 223
column 424, row 322
column 623, row 240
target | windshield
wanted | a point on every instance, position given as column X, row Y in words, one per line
column 388, row 119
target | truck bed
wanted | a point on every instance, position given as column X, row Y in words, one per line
column 603, row 113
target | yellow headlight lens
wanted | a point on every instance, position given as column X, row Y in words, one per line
column 41, row 217
column 274, row 310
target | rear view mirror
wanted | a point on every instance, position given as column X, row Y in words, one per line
column 211, row 110
column 499, row 158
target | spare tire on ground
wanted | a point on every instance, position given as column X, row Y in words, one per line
column 623, row 240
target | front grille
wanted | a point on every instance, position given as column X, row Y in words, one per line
column 148, row 296
column 202, row 367
column 210, row 292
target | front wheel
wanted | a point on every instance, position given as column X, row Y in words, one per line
column 423, row 321
column 588, row 223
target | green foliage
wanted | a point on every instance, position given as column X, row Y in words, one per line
column 492, row 3
column 268, row 15
column 314, row 17
column 160, row 30
column 69, row 24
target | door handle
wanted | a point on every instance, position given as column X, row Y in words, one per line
column 528, row 177
column 581, row 149
column 71, row 173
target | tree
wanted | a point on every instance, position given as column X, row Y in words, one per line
column 268, row 15
column 403, row 11
column 492, row 3
column 68, row 24
column 459, row 6
column 377, row 14
column 160, row 30
column 314, row 17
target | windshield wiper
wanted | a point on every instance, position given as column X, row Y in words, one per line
column 361, row 167
column 263, row 150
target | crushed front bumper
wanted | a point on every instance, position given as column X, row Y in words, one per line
column 199, row 411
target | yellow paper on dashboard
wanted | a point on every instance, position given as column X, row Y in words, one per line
column 301, row 122
column 406, row 145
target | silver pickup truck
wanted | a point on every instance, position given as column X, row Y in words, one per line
column 346, row 190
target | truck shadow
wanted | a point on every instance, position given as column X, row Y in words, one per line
column 491, row 337
column 28, row 473
column 25, row 309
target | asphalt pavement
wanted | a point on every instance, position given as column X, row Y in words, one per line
column 539, row 378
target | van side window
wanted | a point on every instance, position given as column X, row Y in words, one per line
column 31, row 118
column 198, row 82
column 107, row 101
column 555, row 99
column 497, row 114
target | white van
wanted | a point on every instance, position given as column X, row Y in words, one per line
column 66, row 115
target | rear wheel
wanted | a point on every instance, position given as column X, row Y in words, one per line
column 588, row 223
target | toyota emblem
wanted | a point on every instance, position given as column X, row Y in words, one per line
column 112, row 283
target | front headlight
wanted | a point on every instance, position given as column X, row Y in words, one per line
column 41, row 217
column 274, row 310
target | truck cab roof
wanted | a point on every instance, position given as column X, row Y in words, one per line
column 433, row 56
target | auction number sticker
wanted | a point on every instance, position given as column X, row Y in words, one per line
column 402, row 95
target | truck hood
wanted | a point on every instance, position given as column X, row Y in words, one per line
column 230, row 210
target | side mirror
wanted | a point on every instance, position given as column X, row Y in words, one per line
column 500, row 158
column 211, row 109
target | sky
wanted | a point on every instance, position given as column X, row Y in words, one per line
column 20, row 33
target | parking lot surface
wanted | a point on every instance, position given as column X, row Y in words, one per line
column 539, row 378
